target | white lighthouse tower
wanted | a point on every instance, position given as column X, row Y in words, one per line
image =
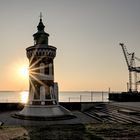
column 43, row 91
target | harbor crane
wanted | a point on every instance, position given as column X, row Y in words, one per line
column 130, row 61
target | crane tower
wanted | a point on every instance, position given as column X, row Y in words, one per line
column 132, row 68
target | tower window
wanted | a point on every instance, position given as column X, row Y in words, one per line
column 42, row 68
column 47, row 70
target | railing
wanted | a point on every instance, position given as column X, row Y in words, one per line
column 92, row 97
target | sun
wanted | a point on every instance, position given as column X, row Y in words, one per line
column 24, row 71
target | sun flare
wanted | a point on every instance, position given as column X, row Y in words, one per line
column 24, row 71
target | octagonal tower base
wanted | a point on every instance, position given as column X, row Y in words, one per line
column 37, row 112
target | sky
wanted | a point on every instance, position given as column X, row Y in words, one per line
column 86, row 33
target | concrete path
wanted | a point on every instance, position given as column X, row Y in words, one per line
column 131, row 105
column 81, row 118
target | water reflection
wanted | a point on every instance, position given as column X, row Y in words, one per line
column 24, row 96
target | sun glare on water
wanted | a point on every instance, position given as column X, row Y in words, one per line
column 24, row 96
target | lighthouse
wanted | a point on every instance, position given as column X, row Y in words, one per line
column 43, row 101
column 41, row 69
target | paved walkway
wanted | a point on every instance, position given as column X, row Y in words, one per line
column 131, row 105
column 7, row 119
column 81, row 118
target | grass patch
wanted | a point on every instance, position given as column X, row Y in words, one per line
column 115, row 131
column 61, row 132
column 76, row 132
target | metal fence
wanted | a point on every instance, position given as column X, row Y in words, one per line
column 92, row 97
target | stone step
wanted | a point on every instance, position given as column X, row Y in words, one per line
column 101, row 114
column 129, row 112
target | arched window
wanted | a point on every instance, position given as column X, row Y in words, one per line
column 50, row 69
column 47, row 69
column 42, row 68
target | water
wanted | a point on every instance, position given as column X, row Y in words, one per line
column 64, row 96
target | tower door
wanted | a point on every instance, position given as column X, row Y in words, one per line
column 42, row 93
